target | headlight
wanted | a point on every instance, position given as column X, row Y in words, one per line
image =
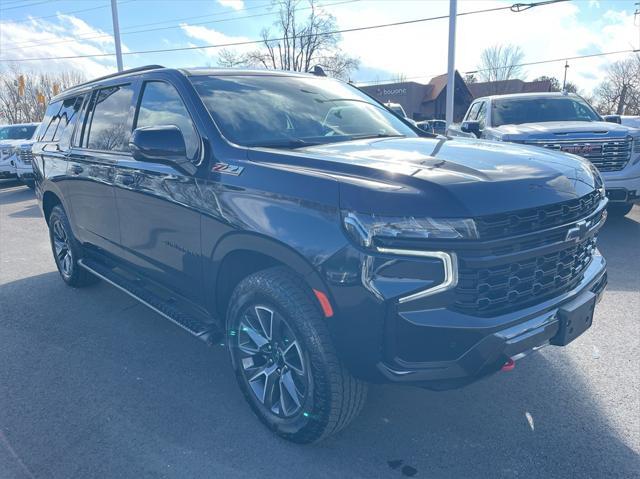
column 365, row 228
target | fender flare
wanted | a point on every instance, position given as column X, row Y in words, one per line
column 281, row 252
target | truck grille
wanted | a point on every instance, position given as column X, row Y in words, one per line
column 535, row 219
column 493, row 290
column 606, row 155
column 26, row 156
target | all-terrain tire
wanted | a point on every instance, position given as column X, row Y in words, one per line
column 334, row 396
column 67, row 250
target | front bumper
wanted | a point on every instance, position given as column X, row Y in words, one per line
column 623, row 186
column 496, row 339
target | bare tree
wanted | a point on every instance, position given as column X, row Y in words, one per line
column 297, row 45
column 500, row 62
column 27, row 102
column 620, row 92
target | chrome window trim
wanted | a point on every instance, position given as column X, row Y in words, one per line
column 449, row 261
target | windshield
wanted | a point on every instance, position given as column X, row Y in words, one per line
column 539, row 110
column 278, row 111
column 17, row 132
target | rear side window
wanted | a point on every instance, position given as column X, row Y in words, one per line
column 161, row 105
column 50, row 122
column 108, row 127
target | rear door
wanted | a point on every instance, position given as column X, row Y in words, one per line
column 102, row 141
column 158, row 204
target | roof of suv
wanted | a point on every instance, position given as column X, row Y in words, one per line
column 531, row 95
column 184, row 71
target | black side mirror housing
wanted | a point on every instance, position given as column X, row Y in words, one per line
column 613, row 119
column 161, row 144
column 471, row 127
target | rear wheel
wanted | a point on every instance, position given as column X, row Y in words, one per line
column 67, row 251
column 284, row 359
column 619, row 209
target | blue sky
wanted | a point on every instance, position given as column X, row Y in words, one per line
column 416, row 51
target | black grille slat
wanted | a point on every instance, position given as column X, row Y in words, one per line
column 534, row 219
column 490, row 291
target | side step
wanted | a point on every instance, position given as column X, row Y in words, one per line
column 197, row 327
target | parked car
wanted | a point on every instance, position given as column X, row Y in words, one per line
column 237, row 203
column 563, row 122
column 438, row 127
column 11, row 137
column 397, row 109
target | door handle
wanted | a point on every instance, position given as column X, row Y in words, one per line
column 126, row 180
column 76, row 169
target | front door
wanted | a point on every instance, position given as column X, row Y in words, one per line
column 158, row 203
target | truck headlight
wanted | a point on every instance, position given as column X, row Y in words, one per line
column 365, row 228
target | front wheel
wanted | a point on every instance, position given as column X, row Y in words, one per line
column 285, row 362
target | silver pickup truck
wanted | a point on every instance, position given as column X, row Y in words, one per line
column 567, row 123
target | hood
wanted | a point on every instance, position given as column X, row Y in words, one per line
column 442, row 177
column 563, row 130
column 12, row 143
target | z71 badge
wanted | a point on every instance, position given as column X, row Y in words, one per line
column 227, row 169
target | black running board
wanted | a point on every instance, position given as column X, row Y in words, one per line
column 208, row 332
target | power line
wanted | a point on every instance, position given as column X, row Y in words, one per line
column 539, row 62
column 23, row 6
column 207, row 22
column 69, row 13
column 254, row 42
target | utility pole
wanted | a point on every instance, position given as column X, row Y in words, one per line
column 116, row 33
column 564, row 82
column 451, row 70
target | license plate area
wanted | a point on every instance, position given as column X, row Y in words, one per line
column 574, row 318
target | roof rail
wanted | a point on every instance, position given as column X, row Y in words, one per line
column 124, row 72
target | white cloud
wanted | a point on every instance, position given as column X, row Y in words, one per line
column 44, row 39
column 546, row 32
column 235, row 4
column 214, row 37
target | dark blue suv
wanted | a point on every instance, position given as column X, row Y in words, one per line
column 330, row 242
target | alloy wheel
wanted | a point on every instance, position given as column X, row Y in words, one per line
column 62, row 248
column 272, row 361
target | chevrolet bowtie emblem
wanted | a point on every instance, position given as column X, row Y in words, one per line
column 579, row 231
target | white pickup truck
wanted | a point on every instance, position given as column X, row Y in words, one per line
column 563, row 122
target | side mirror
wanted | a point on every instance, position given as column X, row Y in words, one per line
column 471, row 127
column 161, row 144
column 613, row 119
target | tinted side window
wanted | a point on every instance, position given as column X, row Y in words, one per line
column 482, row 115
column 161, row 105
column 473, row 111
column 50, row 122
column 67, row 117
column 108, row 123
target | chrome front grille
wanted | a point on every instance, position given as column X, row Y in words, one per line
column 26, row 156
column 606, row 155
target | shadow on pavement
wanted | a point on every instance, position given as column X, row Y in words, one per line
column 94, row 385
column 15, row 194
column 617, row 238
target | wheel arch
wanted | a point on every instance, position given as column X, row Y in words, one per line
column 238, row 255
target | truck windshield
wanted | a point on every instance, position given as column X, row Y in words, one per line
column 516, row 111
column 290, row 112
column 17, row 132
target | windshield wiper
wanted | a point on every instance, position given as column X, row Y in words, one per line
column 378, row 135
column 285, row 143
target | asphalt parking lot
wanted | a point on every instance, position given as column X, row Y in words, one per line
column 93, row 384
